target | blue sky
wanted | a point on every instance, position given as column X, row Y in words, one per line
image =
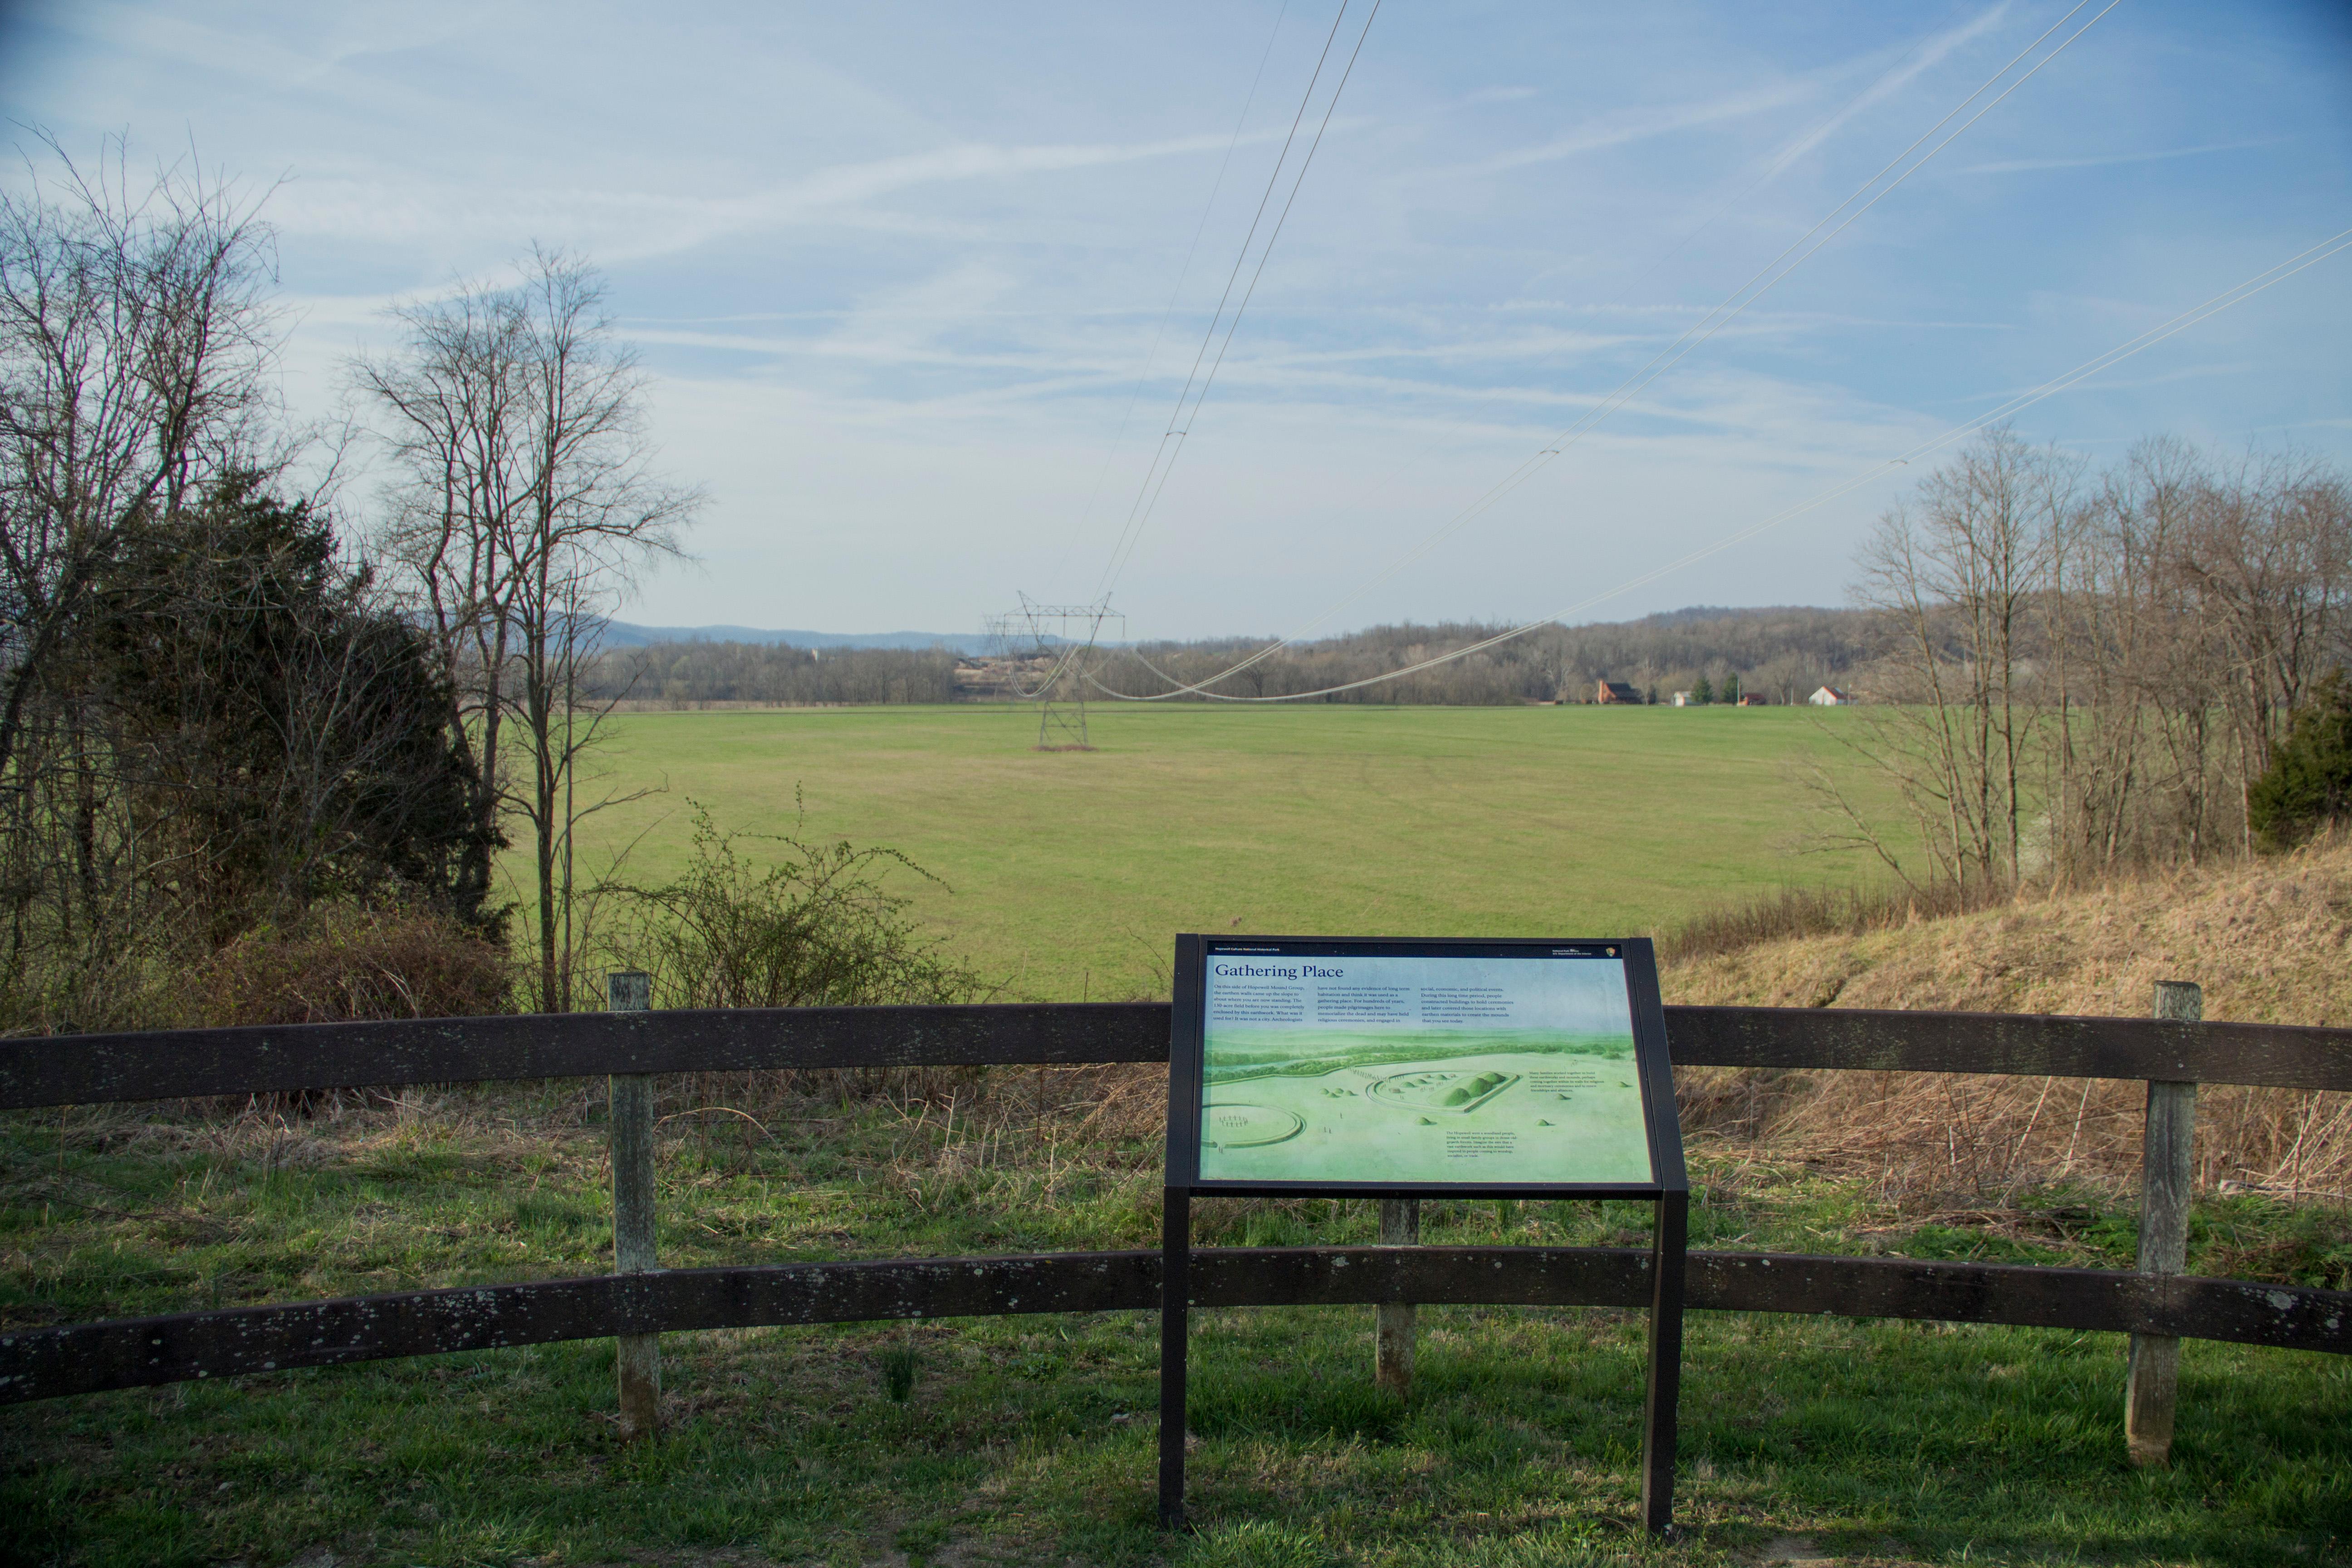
column 904, row 274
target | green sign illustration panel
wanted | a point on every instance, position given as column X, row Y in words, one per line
column 1412, row 1070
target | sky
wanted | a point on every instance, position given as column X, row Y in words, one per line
column 917, row 288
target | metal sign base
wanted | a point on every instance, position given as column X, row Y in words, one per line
column 1669, row 1249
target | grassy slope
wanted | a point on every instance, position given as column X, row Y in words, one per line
column 1071, row 870
column 2270, row 942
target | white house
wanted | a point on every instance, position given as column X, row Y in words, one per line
column 1682, row 698
column 1829, row 697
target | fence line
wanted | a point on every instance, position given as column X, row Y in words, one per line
column 45, row 1362
column 90, row 1069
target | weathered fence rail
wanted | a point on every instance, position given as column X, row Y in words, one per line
column 135, row 1352
column 90, row 1069
column 45, row 1362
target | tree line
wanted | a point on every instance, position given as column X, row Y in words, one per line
column 2085, row 669
column 684, row 674
column 1780, row 653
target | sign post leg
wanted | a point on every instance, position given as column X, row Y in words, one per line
column 1670, row 1246
column 1175, row 1328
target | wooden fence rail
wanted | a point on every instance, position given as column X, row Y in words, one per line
column 41, row 1364
column 90, row 1069
column 44, row 1362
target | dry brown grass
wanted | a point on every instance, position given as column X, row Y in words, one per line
column 345, row 963
column 2269, row 940
column 1787, row 913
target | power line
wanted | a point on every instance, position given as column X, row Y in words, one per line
column 1216, row 188
column 1241, row 259
column 1172, row 443
column 1732, row 306
column 2228, row 296
column 1915, row 59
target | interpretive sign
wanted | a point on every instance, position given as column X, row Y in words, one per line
column 1379, row 1067
column 1419, row 1068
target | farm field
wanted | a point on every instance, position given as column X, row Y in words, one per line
column 1069, row 871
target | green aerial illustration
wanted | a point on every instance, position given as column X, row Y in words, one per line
column 1488, row 1095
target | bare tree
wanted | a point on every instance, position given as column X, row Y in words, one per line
column 135, row 340
column 2268, row 554
column 526, row 497
column 2123, row 665
column 1954, row 578
column 2135, row 760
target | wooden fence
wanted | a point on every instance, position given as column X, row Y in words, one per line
column 2153, row 1304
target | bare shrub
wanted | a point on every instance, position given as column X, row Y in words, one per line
column 348, row 963
column 817, row 926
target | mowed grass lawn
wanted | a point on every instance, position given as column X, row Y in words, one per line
column 1070, row 871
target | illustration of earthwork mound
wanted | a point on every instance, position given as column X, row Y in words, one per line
column 1441, row 1088
column 1250, row 1126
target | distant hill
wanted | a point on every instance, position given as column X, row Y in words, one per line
column 622, row 633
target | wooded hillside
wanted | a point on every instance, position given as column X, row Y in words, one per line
column 1781, row 653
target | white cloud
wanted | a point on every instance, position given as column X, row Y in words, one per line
column 1647, row 124
column 901, row 277
column 1928, row 54
column 2109, row 160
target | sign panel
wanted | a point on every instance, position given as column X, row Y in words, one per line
column 1312, row 1064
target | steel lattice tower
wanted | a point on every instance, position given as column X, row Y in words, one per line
column 1055, row 646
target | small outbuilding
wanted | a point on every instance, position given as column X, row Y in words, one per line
column 1682, row 700
column 1750, row 699
column 1616, row 692
column 1829, row 697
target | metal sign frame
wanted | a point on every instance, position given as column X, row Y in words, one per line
column 1669, row 1187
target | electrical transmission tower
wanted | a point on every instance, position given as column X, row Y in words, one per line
column 1049, row 653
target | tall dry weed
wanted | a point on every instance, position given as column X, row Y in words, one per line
column 1939, row 1142
column 2269, row 940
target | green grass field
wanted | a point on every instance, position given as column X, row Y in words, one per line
column 1030, row 1440
column 1071, row 870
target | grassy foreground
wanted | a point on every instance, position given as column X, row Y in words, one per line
column 1031, row 1440
column 1069, row 870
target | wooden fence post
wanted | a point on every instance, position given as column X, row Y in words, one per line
column 2167, row 1171
column 1392, row 1331
column 630, row 991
